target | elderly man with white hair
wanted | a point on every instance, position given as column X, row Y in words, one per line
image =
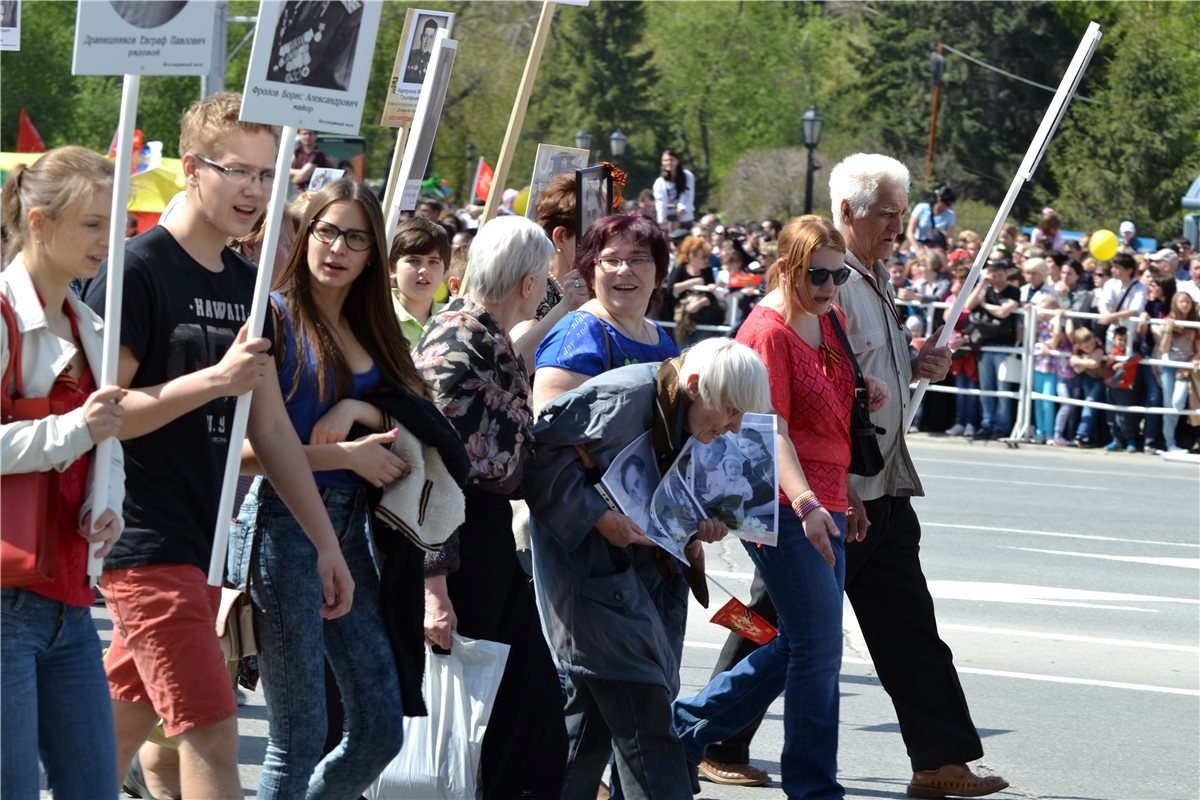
column 883, row 570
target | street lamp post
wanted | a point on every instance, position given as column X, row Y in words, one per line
column 583, row 141
column 617, row 142
column 811, row 124
column 470, row 181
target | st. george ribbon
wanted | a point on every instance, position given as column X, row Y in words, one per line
column 1054, row 114
column 258, row 315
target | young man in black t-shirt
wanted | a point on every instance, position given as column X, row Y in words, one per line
column 998, row 301
column 185, row 357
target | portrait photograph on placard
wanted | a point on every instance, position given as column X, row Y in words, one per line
column 425, row 122
column 413, row 56
column 314, row 44
column 735, row 478
column 10, row 24
column 552, row 160
column 141, row 14
column 593, row 197
column 116, row 37
column 310, row 64
column 631, row 479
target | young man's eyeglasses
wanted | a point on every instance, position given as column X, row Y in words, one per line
column 637, row 263
column 239, row 175
column 355, row 239
column 820, row 277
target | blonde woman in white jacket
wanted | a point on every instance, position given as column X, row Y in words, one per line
column 54, row 701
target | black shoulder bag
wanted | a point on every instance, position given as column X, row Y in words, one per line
column 866, row 459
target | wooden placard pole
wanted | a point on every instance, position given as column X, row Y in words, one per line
column 1058, row 106
column 517, row 119
column 389, row 194
column 114, row 291
column 258, row 315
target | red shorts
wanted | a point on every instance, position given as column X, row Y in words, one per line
column 164, row 650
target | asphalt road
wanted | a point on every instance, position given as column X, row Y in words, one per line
column 1066, row 584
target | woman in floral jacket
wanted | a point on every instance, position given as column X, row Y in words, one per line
column 476, row 585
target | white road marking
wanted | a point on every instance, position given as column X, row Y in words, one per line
column 1027, row 467
column 1045, row 595
column 1186, row 563
column 1068, row 637
column 1055, row 533
column 1039, row 484
column 1032, row 676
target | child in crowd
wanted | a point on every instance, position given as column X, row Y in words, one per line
column 1047, row 330
column 420, row 253
column 1119, row 378
column 1087, row 362
column 457, row 269
column 1182, row 345
column 185, row 356
column 963, row 368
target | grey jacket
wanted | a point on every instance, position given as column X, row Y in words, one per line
column 607, row 612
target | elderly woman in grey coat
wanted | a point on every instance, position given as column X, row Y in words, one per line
column 610, row 639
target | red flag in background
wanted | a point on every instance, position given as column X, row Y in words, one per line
column 28, row 140
column 483, row 180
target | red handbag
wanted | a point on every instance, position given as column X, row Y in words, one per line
column 29, row 500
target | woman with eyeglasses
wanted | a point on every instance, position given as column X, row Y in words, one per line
column 623, row 259
column 798, row 333
column 336, row 343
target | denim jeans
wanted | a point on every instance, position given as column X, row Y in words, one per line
column 294, row 643
column 1085, row 387
column 965, row 405
column 1175, row 395
column 54, row 701
column 997, row 414
column 801, row 663
column 1152, row 397
column 1043, row 410
column 1067, row 417
column 1121, row 424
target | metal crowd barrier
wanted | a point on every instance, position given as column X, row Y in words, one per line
column 1025, row 395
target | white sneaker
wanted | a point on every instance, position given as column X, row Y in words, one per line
column 969, row 430
column 957, row 430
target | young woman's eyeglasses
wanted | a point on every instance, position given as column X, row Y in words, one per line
column 239, row 175
column 820, row 277
column 636, row 263
column 355, row 239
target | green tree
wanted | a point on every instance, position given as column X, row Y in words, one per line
column 1133, row 152
column 597, row 75
column 986, row 119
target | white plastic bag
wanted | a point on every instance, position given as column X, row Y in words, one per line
column 440, row 756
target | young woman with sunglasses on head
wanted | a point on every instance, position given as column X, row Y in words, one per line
column 336, row 341
column 812, row 383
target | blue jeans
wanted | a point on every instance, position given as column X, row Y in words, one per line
column 1043, row 410
column 1085, row 387
column 1175, row 395
column 801, row 663
column 1152, row 397
column 997, row 416
column 1067, row 416
column 54, row 701
column 965, row 405
column 294, row 643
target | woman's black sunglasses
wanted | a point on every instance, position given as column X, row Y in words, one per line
column 819, row 277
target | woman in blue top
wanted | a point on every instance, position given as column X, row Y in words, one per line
column 336, row 339
column 623, row 258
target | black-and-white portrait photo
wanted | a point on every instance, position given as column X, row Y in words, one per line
column 735, row 478
column 593, row 194
column 552, row 160
column 425, row 127
column 675, row 514
column 631, row 479
column 148, row 13
column 8, row 13
column 425, row 28
column 315, row 43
